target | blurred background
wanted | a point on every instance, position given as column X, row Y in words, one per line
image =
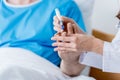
column 103, row 17
column 100, row 14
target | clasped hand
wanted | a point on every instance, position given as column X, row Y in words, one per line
column 71, row 42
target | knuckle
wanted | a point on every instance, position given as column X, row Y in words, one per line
column 74, row 39
column 75, row 50
column 74, row 46
column 59, row 44
column 63, row 38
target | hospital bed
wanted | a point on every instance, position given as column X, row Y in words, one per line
column 21, row 64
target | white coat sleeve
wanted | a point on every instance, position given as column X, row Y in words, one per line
column 111, row 55
column 91, row 59
column 110, row 61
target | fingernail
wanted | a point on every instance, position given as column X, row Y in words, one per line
column 53, row 44
column 55, row 49
column 61, row 30
column 54, row 17
column 52, row 38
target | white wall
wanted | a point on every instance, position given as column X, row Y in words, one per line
column 104, row 15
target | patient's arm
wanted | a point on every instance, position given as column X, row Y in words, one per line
column 71, row 68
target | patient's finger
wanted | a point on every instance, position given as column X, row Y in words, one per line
column 77, row 29
column 65, row 49
column 56, row 20
column 66, row 39
column 63, row 44
column 66, row 20
column 56, row 24
column 58, row 29
column 57, row 34
column 63, row 34
column 70, row 29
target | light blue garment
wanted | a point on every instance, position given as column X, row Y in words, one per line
column 31, row 27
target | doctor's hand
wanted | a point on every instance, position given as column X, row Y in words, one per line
column 78, row 43
column 68, row 56
column 70, row 26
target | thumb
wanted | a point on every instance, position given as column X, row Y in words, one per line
column 63, row 34
column 77, row 29
column 66, row 20
column 70, row 29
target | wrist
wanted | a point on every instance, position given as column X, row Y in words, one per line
column 72, row 58
column 70, row 63
column 71, row 69
column 97, row 46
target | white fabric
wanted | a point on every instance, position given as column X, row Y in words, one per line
column 82, row 78
column 20, row 64
column 110, row 62
column 111, row 56
column 92, row 59
column 86, row 7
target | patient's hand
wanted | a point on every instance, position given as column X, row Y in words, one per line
column 70, row 60
column 70, row 26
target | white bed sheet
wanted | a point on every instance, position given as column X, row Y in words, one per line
column 21, row 64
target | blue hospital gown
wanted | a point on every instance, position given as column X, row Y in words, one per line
column 31, row 27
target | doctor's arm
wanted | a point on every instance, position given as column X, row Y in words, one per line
column 109, row 61
column 100, row 54
column 111, row 55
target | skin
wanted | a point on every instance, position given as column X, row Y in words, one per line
column 78, row 43
column 20, row 2
column 76, row 40
column 73, row 42
column 70, row 63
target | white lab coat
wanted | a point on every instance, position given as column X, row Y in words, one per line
column 110, row 61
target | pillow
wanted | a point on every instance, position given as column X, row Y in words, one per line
column 20, row 64
column 86, row 7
